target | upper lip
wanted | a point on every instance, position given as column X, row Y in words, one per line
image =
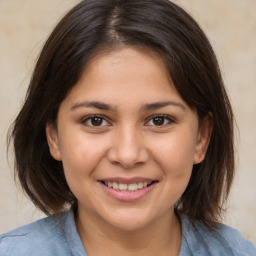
column 127, row 180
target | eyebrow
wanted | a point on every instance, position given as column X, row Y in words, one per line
column 161, row 104
column 92, row 104
column 104, row 106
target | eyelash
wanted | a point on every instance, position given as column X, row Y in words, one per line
column 89, row 118
column 167, row 120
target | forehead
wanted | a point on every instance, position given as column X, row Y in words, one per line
column 126, row 60
column 126, row 72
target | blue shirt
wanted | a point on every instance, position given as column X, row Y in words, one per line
column 57, row 235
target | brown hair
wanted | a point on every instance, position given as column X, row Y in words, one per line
column 158, row 25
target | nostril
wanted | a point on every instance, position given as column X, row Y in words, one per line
column 127, row 157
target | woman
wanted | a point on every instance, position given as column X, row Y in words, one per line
column 125, row 138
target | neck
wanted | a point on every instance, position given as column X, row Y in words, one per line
column 163, row 237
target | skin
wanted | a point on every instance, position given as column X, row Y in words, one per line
column 127, row 142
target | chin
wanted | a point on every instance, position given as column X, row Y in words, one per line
column 130, row 221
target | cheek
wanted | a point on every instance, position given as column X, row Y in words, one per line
column 81, row 155
column 175, row 157
column 80, row 158
column 176, row 152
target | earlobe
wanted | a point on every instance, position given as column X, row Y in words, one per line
column 53, row 142
column 203, row 139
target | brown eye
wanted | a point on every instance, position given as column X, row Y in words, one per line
column 95, row 121
column 159, row 120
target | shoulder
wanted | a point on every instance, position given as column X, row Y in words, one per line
column 43, row 237
column 201, row 240
column 236, row 241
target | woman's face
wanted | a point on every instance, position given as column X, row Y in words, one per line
column 127, row 140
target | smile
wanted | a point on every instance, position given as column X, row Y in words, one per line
column 127, row 187
column 127, row 190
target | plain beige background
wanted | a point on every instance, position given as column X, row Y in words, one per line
column 230, row 26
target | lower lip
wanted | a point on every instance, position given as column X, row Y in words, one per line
column 127, row 196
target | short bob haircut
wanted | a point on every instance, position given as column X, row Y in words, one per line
column 94, row 26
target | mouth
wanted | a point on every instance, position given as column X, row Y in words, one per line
column 127, row 190
column 131, row 187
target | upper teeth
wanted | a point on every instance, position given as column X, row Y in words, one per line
column 127, row 187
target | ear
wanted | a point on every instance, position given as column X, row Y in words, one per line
column 203, row 139
column 53, row 141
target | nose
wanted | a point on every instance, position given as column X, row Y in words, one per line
column 128, row 148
